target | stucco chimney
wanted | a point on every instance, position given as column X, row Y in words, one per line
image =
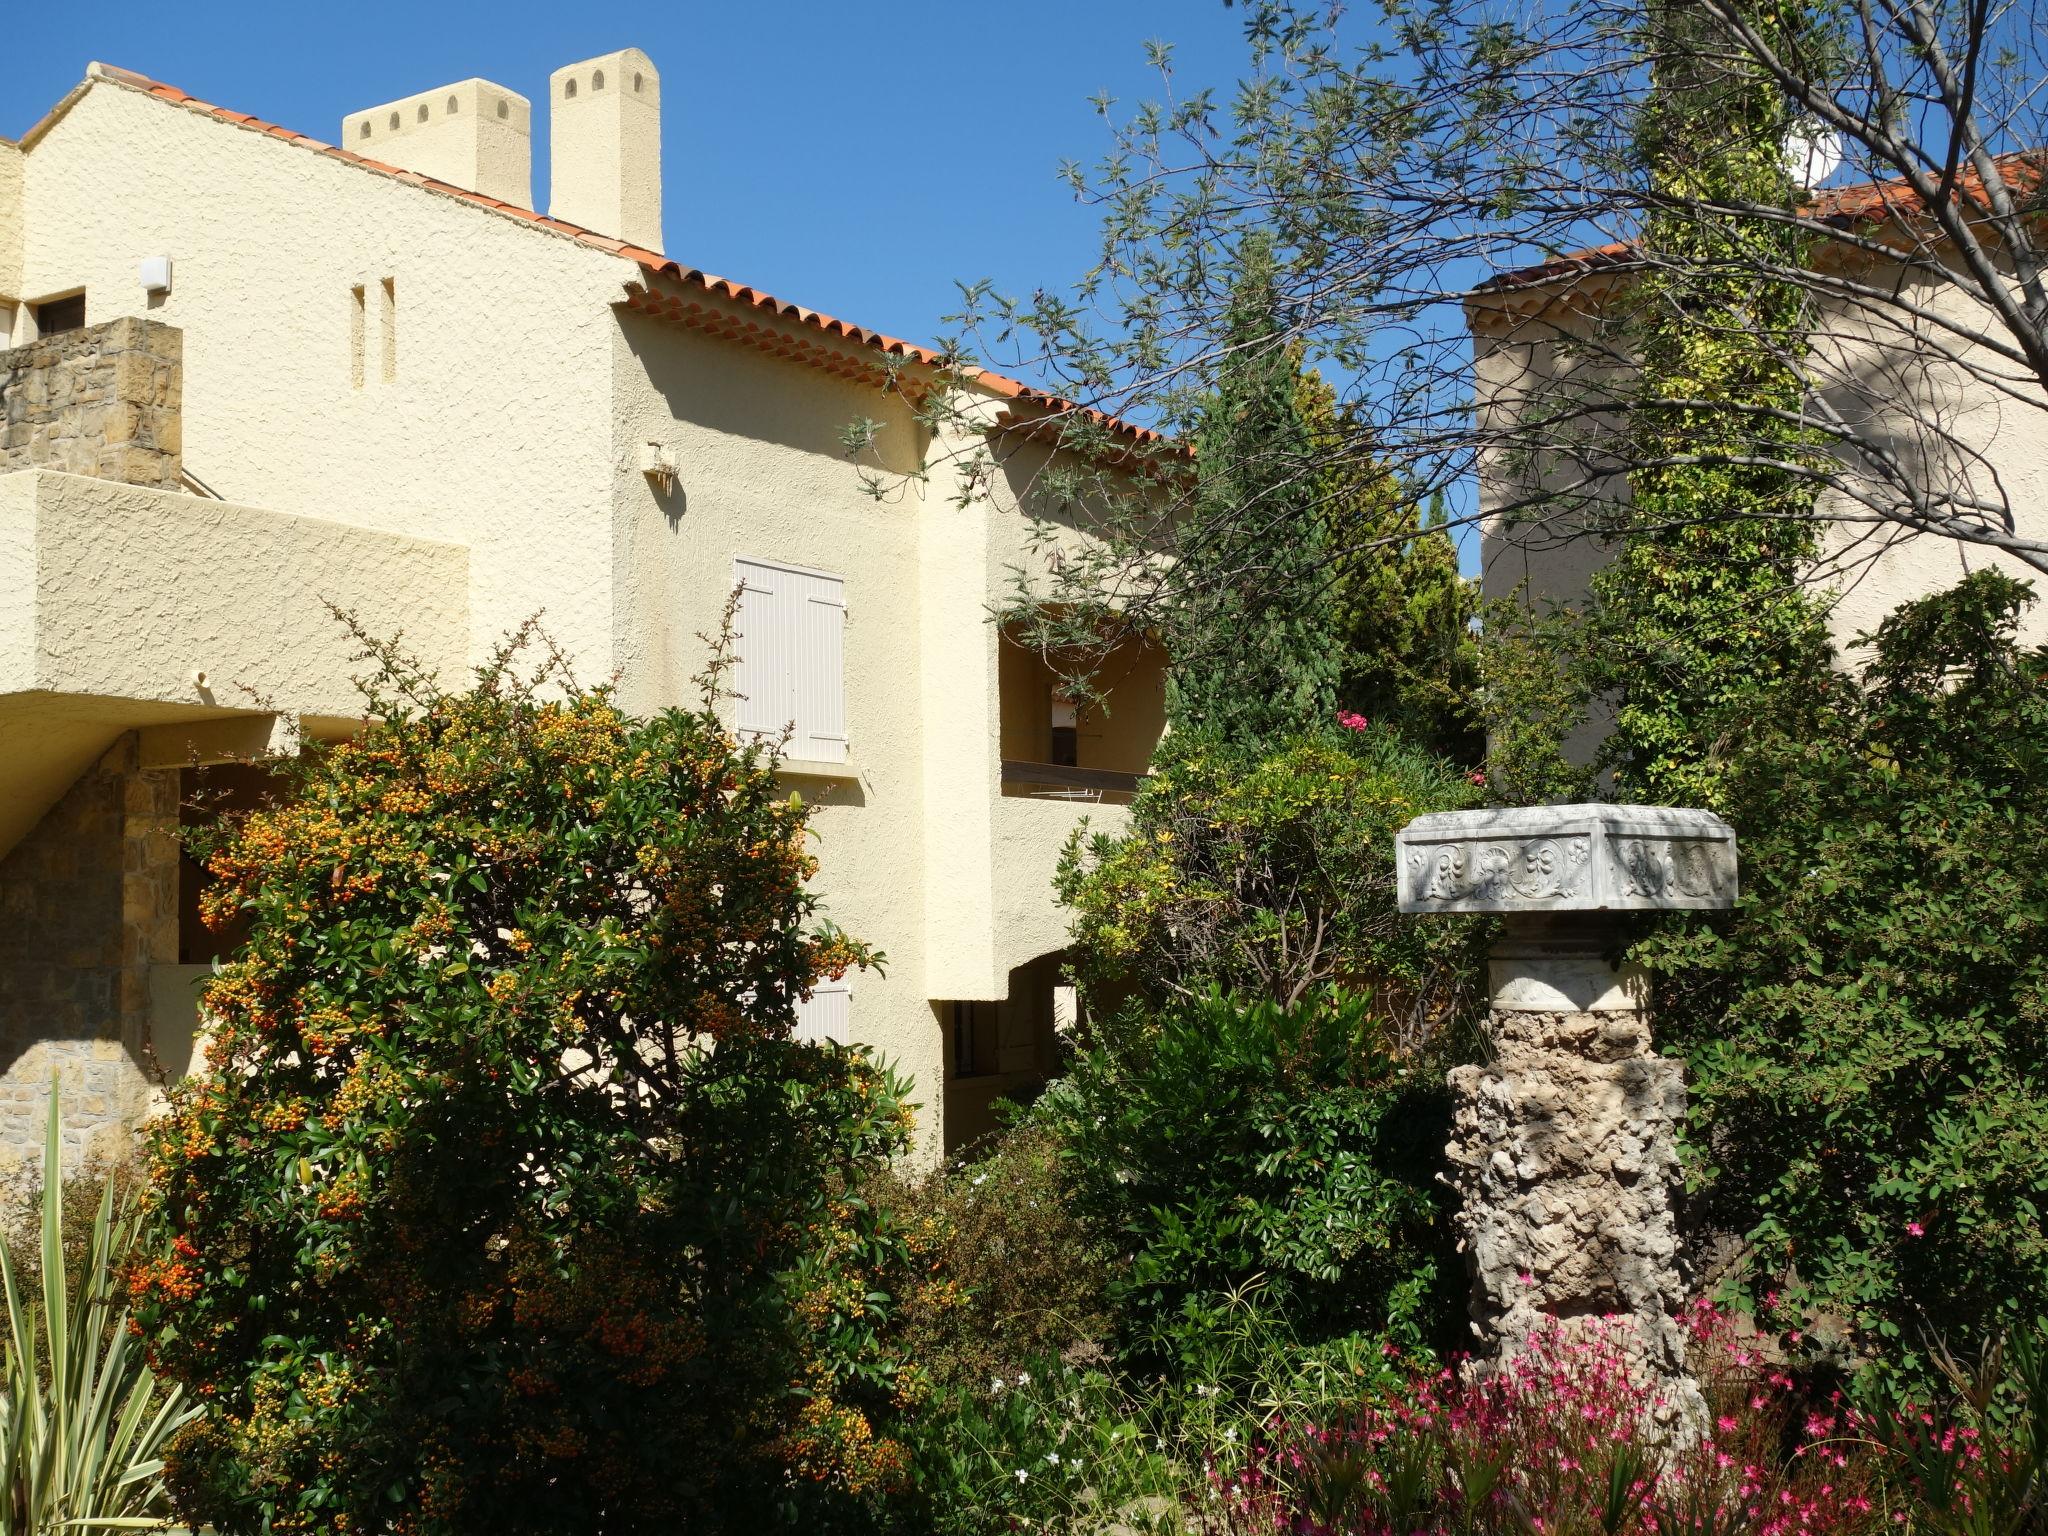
column 471, row 134
column 604, row 146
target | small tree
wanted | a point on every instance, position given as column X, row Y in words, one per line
column 1252, row 634
column 507, row 1202
column 1271, row 874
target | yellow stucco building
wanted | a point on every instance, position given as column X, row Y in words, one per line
column 251, row 374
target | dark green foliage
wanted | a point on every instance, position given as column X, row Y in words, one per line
column 1702, row 610
column 1018, row 1279
column 1866, row 1036
column 1223, row 1146
column 1271, row 873
column 1534, row 695
column 1402, row 614
column 1252, row 634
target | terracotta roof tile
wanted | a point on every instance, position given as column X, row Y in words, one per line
column 652, row 262
column 1843, row 207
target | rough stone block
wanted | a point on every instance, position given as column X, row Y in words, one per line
column 101, row 401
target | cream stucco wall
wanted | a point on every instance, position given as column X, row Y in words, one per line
column 761, row 474
column 114, row 600
column 1872, row 371
column 11, row 165
column 506, row 432
column 495, row 430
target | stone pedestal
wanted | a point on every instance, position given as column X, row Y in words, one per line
column 1563, row 1146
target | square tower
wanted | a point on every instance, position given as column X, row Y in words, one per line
column 604, row 146
column 472, row 134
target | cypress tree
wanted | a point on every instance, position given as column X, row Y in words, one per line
column 1255, row 649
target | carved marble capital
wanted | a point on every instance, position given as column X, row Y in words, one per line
column 1566, row 858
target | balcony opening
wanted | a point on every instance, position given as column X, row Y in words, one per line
column 1004, row 1049
column 57, row 315
column 1057, row 748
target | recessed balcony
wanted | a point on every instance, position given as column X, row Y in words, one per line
column 1094, row 753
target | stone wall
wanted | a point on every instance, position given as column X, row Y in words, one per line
column 1564, row 1151
column 104, row 401
column 88, row 904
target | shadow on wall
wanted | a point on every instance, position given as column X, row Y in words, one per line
column 102, row 951
column 88, row 908
column 1003, row 1052
column 722, row 386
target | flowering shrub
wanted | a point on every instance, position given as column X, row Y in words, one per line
column 1864, row 1034
column 507, row 1202
column 1271, row 873
column 1554, row 1442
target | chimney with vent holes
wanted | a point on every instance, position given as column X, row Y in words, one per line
column 604, row 146
column 472, row 134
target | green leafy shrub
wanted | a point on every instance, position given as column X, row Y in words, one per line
column 507, row 1202
column 1227, row 1147
column 84, row 1421
column 1272, row 874
column 1046, row 1449
column 1866, row 1034
column 1017, row 1278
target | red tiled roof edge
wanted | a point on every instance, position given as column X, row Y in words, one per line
column 1864, row 203
column 651, row 261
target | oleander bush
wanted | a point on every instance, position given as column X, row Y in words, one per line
column 1233, row 1153
column 1866, row 1033
column 507, row 1202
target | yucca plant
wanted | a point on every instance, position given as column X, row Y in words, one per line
column 83, row 1421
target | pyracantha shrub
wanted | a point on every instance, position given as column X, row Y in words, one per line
column 506, row 1201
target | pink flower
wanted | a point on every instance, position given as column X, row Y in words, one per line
column 1477, row 778
column 1914, row 1229
column 1351, row 720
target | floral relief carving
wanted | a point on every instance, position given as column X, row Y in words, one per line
column 1593, row 857
column 1542, row 869
column 1660, row 868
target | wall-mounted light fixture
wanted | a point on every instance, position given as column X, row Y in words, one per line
column 658, row 464
column 156, row 274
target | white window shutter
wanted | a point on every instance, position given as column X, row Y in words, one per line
column 762, row 676
column 826, row 1015
column 820, row 671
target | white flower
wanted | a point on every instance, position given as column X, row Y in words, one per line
column 1022, row 1474
column 996, row 1385
column 1052, row 1458
column 1023, row 1378
column 980, row 1179
column 1230, row 1434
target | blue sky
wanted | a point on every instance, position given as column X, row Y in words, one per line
column 860, row 159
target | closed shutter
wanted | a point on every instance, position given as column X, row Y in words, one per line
column 826, row 1015
column 792, row 658
column 820, row 671
column 762, row 675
